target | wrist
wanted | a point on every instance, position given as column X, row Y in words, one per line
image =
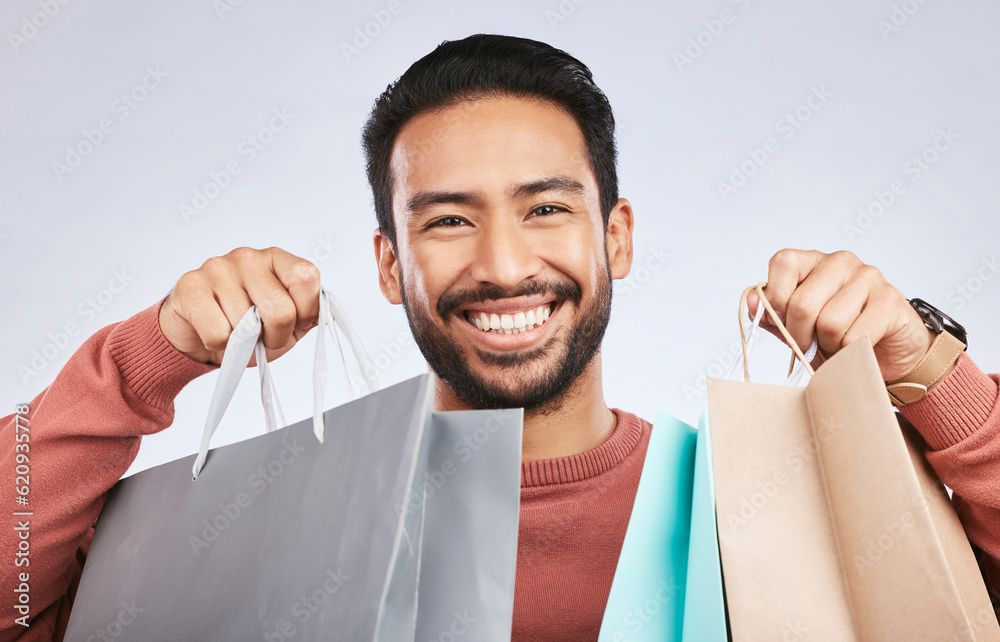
column 149, row 364
column 950, row 341
column 938, row 361
column 957, row 407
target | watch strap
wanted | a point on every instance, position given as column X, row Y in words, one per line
column 932, row 368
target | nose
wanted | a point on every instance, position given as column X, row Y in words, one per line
column 506, row 256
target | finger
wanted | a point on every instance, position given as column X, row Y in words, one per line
column 196, row 303
column 301, row 279
column 876, row 319
column 842, row 311
column 274, row 303
column 812, row 295
column 227, row 294
column 785, row 271
column 752, row 301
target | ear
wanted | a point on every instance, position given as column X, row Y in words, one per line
column 619, row 239
column 388, row 268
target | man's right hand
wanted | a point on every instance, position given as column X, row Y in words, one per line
column 206, row 304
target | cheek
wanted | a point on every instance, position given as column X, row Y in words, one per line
column 577, row 252
column 427, row 274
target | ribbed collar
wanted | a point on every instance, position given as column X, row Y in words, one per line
column 563, row 470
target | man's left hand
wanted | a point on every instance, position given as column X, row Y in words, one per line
column 840, row 299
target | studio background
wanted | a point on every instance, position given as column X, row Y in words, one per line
column 743, row 127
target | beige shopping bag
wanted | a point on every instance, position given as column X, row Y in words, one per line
column 832, row 526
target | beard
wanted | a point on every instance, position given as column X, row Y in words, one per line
column 517, row 380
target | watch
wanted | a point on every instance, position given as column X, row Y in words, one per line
column 950, row 342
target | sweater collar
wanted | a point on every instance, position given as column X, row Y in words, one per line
column 590, row 463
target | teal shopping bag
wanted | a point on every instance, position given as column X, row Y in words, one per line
column 704, row 604
column 668, row 583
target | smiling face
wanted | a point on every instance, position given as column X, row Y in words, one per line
column 502, row 261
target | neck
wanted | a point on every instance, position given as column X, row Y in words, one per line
column 581, row 421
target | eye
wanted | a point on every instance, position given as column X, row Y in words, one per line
column 546, row 210
column 447, row 221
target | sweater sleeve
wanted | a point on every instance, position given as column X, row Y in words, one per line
column 960, row 421
column 83, row 432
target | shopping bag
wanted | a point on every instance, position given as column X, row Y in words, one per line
column 704, row 603
column 646, row 601
column 831, row 524
column 668, row 581
column 327, row 529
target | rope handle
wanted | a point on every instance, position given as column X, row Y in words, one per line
column 799, row 359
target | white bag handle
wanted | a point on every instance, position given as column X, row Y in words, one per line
column 245, row 338
column 801, row 362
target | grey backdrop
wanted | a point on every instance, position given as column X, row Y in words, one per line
column 745, row 126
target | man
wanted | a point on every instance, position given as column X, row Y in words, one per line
column 500, row 228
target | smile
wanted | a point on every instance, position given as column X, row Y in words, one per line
column 510, row 321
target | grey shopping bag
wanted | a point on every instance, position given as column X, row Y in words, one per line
column 374, row 520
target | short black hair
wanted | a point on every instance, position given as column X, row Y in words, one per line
column 487, row 65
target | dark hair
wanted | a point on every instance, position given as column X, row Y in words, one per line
column 485, row 65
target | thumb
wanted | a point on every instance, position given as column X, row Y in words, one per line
column 753, row 300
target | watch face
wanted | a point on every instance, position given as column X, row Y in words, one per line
column 938, row 321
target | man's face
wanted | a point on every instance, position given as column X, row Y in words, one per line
column 501, row 259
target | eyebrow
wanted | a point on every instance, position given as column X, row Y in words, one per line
column 428, row 199
column 548, row 184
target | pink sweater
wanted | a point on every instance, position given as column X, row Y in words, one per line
column 85, row 429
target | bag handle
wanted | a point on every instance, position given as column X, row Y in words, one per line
column 800, row 362
column 246, row 338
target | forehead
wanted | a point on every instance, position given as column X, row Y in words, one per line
column 487, row 144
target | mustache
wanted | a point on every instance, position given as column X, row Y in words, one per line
column 568, row 290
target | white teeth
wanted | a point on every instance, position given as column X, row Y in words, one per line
column 511, row 323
